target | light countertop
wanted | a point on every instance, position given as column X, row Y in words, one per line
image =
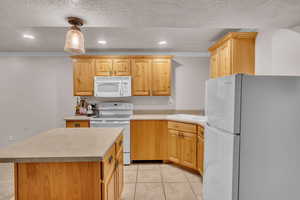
column 187, row 118
column 63, row 145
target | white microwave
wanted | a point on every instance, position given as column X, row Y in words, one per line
column 112, row 86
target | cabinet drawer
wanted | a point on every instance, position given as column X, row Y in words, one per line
column 200, row 131
column 119, row 143
column 192, row 128
column 109, row 162
column 78, row 124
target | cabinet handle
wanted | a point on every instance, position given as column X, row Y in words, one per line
column 110, row 159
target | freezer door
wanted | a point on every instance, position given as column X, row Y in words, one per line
column 221, row 165
column 223, row 96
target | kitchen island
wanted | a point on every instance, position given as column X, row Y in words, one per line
column 68, row 164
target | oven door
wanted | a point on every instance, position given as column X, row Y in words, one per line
column 117, row 124
column 108, row 89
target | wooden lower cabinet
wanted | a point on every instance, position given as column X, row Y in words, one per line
column 77, row 124
column 120, row 174
column 149, row 139
column 63, row 181
column 180, row 143
column 110, row 188
column 182, row 148
column 200, row 149
column 99, row 180
column 114, row 162
column 200, row 154
column 174, row 146
column 188, row 148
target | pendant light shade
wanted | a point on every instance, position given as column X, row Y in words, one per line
column 74, row 38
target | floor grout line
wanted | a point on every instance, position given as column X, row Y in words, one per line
column 162, row 183
column 190, row 184
column 136, row 179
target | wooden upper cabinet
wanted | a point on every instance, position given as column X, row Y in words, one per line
column 161, row 77
column 121, row 67
column 225, row 59
column 234, row 53
column 83, row 77
column 141, row 74
column 214, row 65
column 151, row 75
column 103, row 67
column 112, row 67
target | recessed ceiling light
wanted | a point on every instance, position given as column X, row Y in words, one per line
column 28, row 36
column 162, row 42
column 102, row 42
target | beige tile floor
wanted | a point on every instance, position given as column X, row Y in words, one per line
column 142, row 182
column 161, row 182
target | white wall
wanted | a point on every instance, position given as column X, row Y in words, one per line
column 188, row 89
column 277, row 52
column 36, row 92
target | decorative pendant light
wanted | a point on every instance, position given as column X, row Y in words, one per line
column 74, row 38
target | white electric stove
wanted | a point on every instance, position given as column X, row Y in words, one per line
column 115, row 115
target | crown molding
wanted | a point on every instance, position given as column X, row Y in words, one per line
column 62, row 54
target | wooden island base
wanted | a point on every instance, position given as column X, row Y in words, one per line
column 101, row 180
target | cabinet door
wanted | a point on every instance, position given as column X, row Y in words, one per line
column 200, row 154
column 83, row 77
column 188, row 150
column 141, row 77
column 224, row 59
column 149, row 139
column 103, row 67
column 77, row 124
column 174, row 146
column 161, row 77
column 214, row 65
column 110, row 188
column 121, row 67
column 120, row 174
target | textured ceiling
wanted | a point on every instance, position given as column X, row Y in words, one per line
column 141, row 39
column 188, row 25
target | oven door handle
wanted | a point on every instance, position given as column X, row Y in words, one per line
column 108, row 123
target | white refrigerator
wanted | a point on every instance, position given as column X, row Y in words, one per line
column 252, row 138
